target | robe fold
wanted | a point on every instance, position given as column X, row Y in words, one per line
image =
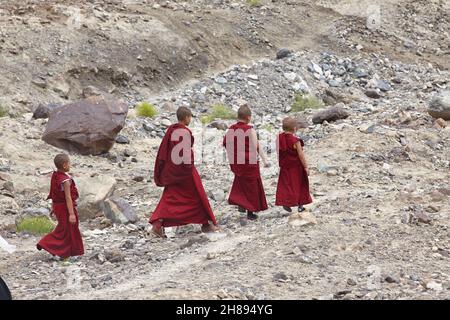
column 65, row 241
column 247, row 190
column 184, row 200
column 293, row 182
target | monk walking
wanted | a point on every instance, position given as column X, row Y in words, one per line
column 184, row 200
column 241, row 143
column 293, row 183
column 65, row 241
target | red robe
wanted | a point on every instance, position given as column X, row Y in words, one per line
column 293, row 183
column 184, row 199
column 65, row 241
column 247, row 190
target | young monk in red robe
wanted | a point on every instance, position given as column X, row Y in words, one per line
column 293, row 183
column 184, row 199
column 65, row 241
column 241, row 143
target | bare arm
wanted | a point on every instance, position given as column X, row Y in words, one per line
column 301, row 156
column 254, row 140
column 69, row 202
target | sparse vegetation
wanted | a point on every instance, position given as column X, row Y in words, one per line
column 35, row 225
column 145, row 109
column 3, row 111
column 268, row 127
column 306, row 101
column 254, row 3
column 219, row 111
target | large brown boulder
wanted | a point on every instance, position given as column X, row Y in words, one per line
column 331, row 114
column 88, row 126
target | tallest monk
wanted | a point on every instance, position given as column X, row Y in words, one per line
column 184, row 199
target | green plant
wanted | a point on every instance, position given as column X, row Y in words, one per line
column 35, row 225
column 306, row 101
column 219, row 111
column 254, row 3
column 3, row 111
column 145, row 109
column 268, row 127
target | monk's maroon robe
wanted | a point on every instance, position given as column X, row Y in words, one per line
column 247, row 190
column 184, row 200
column 293, row 183
column 65, row 241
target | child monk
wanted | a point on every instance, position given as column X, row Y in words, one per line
column 184, row 200
column 293, row 183
column 241, row 143
column 65, row 241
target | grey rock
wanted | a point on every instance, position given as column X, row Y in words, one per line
column 122, row 139
column 283, row 53
column 118, row 210
column 439, row 106
column 43, row 111
column 374, row 94
column 332, row 114
column 383, row 85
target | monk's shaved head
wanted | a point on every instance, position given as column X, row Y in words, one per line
column 244, row 112
column 290, row 124
column 183, row 113
column 60, row 160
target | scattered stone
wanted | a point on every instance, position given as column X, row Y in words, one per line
column 422, row 217
column 440, row 123
column 219, row 125
column 138, row 178
column 391, row 279
column 433, row 285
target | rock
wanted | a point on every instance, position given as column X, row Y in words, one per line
column 422, row 217
column 87, row 127
column 280, row 277
column 114, row 256
column 332, row 114
column 351, row 282
column 39, row 82
column 43, row 111
column 314, row 68
column 374, row 94
column 391, row 279
column 367, row 127
column 93, row 191
column 433, row 285
column 440, row 123
column 122, row 139
column 253, row 77
column 138, row 178
column 383, row 85
column 283, row 53
column 166, row 123
column 119, row 210
column 439, row 106
column 168, row 107
column 221, row 80
column 302, row 219
column 9, row 204
column 291, row 76
column 218, row 195
column 219, row 125
column 91, row 91
column 5, row 246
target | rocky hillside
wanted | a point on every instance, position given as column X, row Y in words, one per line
column 379, row 225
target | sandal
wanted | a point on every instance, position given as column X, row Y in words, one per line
column 160, row 234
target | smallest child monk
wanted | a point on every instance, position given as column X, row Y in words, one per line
column 65, row 241
column 293, row 183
